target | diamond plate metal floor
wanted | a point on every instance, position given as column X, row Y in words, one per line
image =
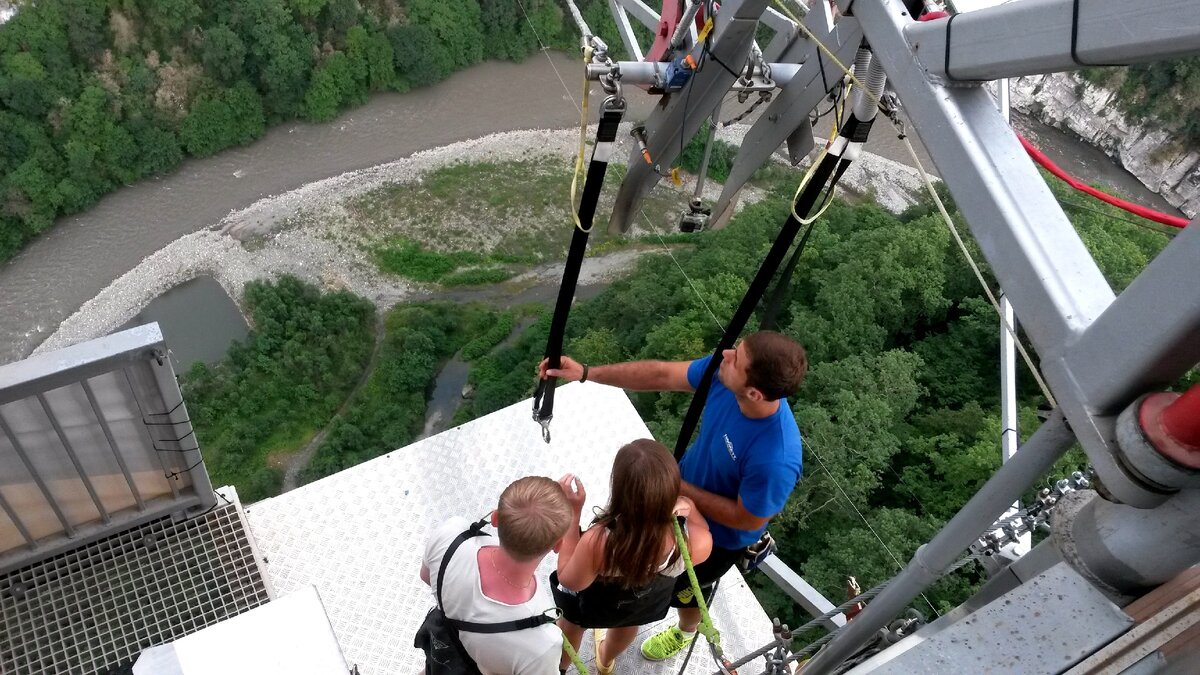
column 358, row 535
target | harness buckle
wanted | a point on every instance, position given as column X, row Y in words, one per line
column 757, row 552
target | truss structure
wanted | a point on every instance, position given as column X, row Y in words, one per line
column 1101, row 354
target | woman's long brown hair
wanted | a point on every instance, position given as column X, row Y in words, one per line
column 645, row 485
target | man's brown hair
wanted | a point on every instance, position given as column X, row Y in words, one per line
column 532, row 515
column 777, row 364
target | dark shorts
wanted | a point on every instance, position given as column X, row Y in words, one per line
column 605, row 604
column 707, row 573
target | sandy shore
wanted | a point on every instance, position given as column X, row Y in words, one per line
column 304, row 232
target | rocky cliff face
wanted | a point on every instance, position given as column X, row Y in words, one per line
column 1160, row 162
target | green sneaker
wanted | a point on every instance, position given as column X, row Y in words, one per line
column 666, row 644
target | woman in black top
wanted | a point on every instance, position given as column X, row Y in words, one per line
column 619, row 574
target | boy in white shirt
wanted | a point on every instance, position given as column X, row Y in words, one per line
column 491, row 579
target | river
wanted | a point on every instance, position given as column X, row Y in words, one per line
column 83, row 253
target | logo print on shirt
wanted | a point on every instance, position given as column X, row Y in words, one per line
column 729, row 447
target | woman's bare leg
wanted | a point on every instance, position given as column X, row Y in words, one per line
column 616, row 641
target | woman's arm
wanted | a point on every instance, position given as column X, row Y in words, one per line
column 576, row 495
column 578, row 569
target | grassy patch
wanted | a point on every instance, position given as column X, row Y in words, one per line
column 490, row 215
column 477, row 276
column 407, row 259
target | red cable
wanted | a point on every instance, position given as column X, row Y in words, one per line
column 1135, row 209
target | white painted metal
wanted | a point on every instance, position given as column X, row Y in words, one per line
column 358, row 536
column 288, row 635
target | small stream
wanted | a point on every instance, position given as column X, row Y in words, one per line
column 449, row 390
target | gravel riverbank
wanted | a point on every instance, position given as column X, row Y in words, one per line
column 304, row 232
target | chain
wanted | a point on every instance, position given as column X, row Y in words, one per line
column 763, row 97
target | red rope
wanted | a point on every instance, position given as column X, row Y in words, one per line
column 1135, row 209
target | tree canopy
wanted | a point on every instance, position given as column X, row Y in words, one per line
column 97, row 94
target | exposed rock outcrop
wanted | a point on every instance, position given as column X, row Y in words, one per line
column 1162, row 163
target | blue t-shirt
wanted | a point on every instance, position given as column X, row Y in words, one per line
column 757, row 459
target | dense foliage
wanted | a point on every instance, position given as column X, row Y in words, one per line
column 900, row 411
column 389, row 412
column 281, row 384
column 99, row 94
column 1167, row 91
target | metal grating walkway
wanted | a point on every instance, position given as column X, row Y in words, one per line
column 94, row 609
column 358, row 536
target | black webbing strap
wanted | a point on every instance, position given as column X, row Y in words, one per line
column 783, row 241
column 606, row 133
column 856, row 131
column 829, row 171
column 503, row 626
column 771, row 311
column 476, row 530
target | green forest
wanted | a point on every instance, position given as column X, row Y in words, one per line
column 102, row 93
column 1167, row 92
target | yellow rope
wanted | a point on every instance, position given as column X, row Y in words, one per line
column 706, row 628
column 583, row 121
column 575, row 660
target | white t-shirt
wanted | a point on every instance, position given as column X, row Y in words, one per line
column 533, row 651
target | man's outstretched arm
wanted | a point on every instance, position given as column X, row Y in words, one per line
column 633, row 375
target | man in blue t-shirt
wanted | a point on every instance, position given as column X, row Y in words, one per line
column 743, row 465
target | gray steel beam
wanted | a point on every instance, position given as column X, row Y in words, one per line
column 1034, row 36
column 17, row 522
column 792, row 105
column 68, row 365
column 66, row 444
column 37, row 477
column 801, row 591
column 133, row 490
column 625, row 30
column 1148, row 338
column 785, row 33
column 137, row 400
column 193, row 461
column 687, row 110
column 1035, row 458
column 642, row 12
column 1032, row 248
column 653, row 72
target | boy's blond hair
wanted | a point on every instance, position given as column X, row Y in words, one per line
column 532, row 516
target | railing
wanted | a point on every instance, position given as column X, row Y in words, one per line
column 94, row 438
